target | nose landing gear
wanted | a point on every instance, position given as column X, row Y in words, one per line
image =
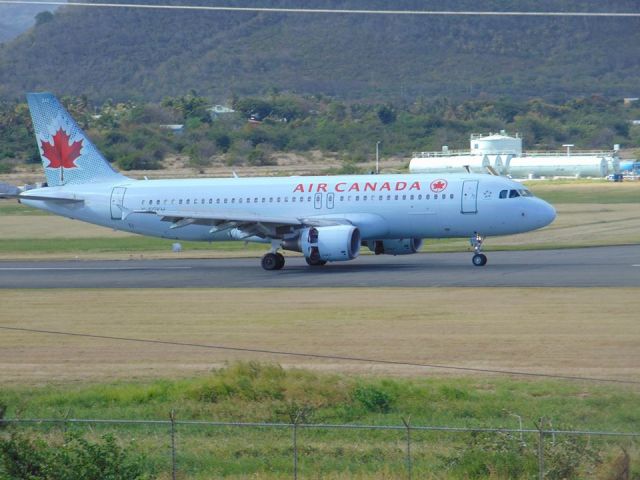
column 479, row 259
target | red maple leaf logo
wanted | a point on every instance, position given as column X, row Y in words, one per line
column 438, row 185
column 60, row 154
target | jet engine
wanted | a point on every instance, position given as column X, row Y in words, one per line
column 401, row 246
column 332, row 243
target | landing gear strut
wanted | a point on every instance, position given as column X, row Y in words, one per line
column 479, row 259
column 273, row 261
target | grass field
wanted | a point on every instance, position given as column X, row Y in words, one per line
column 590, row 332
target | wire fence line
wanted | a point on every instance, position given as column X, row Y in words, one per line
column 543, row 433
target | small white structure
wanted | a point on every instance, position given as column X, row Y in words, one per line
column 495, row 144
column 503, row 154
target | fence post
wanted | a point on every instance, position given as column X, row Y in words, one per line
column 540, row 427
column 407, row 424
column 174, row 472
column 295, row 419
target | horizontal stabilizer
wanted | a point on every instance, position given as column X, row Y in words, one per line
column 8, row 191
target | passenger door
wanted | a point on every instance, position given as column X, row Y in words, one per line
column 470, row 196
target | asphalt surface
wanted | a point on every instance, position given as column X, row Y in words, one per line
column 585, row 267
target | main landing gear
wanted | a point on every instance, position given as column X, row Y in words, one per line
column 273, row 261
column 479, row 259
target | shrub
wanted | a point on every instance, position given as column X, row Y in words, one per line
column 75, row 458
column 374, row 398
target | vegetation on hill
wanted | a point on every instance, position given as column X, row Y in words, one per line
column 149, row 54
column 132, row 135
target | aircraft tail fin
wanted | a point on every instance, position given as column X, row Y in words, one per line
column 67, row 154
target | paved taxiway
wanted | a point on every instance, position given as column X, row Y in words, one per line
column 585, row 267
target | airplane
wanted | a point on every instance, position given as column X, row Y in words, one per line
column 326, row 218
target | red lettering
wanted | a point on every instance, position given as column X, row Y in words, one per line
column 354, row 187
column 370, row 186
column 400, row 186
column 299, row 188
column 415, row 186
column 385, row 186
column 310, row 187
column 322, row 187
column 340, row 187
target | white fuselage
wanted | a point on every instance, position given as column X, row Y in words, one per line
column 381, row 206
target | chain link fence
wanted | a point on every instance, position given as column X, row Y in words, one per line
column 186, row 449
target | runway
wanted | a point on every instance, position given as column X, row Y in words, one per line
column 586, row 267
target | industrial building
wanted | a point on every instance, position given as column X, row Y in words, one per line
column 503, row 154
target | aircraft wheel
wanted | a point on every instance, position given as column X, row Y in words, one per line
column 280, row 261
column 479, row 259
column 315, row 263
column 270, row 261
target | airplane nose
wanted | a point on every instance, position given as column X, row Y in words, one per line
column 547, row 214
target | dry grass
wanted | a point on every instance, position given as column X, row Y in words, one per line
column 591, row 332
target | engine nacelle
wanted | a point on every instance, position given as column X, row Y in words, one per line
column 401, row 246
column 333, row 243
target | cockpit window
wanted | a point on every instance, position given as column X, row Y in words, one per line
column 513, row 193
column 525, row 193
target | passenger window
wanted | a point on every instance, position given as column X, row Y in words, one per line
column 342, row 198
column 233, row 200
column 226, row 200
column 293, row 199
column 357, row 198
column 270, row 199
column 380, row 198
column 248, row 200
column 218, row 201
column 404, row 197
column 188, row 200
column 240, row 200
column 451, row 196
column 308, row 199
column 255, row 200
column 364, row 198
column 180, row 201
column 264, row 199
column 435, row 196
column 142, row 202
column 396, row 197
column 388, row 197
column 427, row 196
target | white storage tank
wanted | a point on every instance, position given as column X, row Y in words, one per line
column 495, row 144
column 560, row 166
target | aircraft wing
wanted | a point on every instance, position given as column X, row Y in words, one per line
column 248, row 223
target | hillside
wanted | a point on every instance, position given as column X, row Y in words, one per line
column 148, row 54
